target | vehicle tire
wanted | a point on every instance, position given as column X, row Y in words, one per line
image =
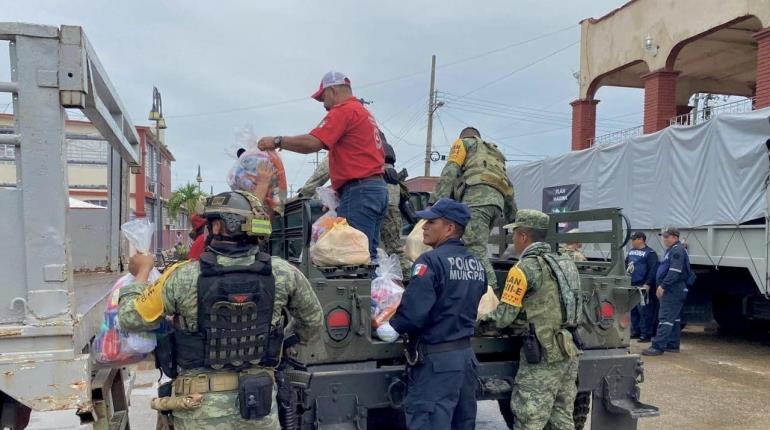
column 728, row 313
column 579, row 414
column 386, row 419
column 505, row 411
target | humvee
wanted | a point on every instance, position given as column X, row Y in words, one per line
column 351, row 380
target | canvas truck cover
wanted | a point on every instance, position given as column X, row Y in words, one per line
column 688, row 176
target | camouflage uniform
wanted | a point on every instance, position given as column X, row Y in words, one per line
column 390, row 232
column 319, row 177
column 219, row 410
column 469, row 178
column 543, row 393
column 572, row 252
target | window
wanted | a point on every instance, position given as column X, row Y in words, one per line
column 102, row 203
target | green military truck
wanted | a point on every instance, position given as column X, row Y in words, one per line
column 354, row 381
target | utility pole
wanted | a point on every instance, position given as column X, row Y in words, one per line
column 431, row 109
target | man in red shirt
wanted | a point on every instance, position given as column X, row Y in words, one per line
column 356, row 155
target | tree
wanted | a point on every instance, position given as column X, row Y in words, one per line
column 186, row 196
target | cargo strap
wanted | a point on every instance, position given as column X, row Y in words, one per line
column 211, row 382
column 445, row 346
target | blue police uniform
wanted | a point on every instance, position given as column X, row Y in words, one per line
column 671, row 276
column 643, row 265
column 438, row 312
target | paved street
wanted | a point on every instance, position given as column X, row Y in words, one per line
column 714, row 383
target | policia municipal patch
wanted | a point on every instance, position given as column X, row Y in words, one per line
column 515, row 287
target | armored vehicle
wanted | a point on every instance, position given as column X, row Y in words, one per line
column 354, row 381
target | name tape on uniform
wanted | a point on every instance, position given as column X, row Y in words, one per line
column 515, row 287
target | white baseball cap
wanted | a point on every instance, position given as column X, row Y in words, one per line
column 330, row 79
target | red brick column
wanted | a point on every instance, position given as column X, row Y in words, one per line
column 762, row 92
column 659, row 99
column 583, row 123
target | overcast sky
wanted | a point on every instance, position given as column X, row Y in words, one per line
column 505, row 67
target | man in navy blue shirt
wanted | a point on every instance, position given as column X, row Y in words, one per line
column 671, row 278
column 641, row 265
column 438, row 314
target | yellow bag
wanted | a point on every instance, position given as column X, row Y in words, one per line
column 414, row 246
column 488, row 303
column 341, row 245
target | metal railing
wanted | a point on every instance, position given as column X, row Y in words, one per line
column 619, row 136
column 700, row 116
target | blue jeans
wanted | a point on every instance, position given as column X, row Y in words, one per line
column 644, row 319
column 670, row 317
column 364, row 204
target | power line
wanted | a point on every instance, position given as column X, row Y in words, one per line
column 526, row 66
column 375, row 83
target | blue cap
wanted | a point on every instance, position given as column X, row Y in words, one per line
column 449, row 209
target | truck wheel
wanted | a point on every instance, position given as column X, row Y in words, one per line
column 579, row 414
column 386, row 419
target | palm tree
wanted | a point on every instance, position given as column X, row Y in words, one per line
column 186, row 196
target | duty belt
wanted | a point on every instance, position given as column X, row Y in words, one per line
column 211, row 382
column 445, row 346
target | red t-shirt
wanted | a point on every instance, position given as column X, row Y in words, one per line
column 351, row 135
column 197, row 248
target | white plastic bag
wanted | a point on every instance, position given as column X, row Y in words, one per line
column 243, row 173
column 139, row 233
column 387, row 288
column 414, row 247
column 488, row 303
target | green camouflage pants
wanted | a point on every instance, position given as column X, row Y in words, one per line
column 476, row 236
column 219, row 411
column 545, row 394
column 390, row 237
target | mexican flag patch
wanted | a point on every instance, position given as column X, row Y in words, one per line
column 419, row 270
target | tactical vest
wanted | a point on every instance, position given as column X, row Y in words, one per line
column 484, row 165
column 235, row 312
column 544, row 309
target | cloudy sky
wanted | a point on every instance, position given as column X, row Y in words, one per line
column 505, row 67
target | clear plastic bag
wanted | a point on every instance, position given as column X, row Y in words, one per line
column 139, row 233
column 341, row 245
column 387, row 288
column 330, row 201
column 414, row 247
column 114, row 346
column 244, row 172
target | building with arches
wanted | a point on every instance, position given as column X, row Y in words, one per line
column 673, row 49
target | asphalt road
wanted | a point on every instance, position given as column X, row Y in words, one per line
column 715, row 383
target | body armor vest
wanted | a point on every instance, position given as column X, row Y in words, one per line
column 485, row 165
column 235, row 312
column 544, row 309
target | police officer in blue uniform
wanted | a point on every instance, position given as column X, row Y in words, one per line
column 642, row 265
column 672, row 278
column 438, row 314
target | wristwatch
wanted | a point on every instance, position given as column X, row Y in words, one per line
column 277, row 141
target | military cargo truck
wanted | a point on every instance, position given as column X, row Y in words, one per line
column 51, row 312
column 354, row 381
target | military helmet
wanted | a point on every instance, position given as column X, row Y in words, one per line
column 242, row 213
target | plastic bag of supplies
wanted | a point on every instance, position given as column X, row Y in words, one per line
column 488, row 303
column 113, row 345
column 243, row 175
column 330, row 201
column 340, row 245
column 387, row 288
column 414, row 248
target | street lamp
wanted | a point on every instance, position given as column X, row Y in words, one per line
column 198, row 178
column 156, row 114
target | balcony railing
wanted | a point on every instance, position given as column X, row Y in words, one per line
column 616, row 136
column 702, row 115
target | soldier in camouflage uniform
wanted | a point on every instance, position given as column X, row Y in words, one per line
column 475, row 175
column 572, row 249
column 390, row 231
column 544, row 392
column 233, row 267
